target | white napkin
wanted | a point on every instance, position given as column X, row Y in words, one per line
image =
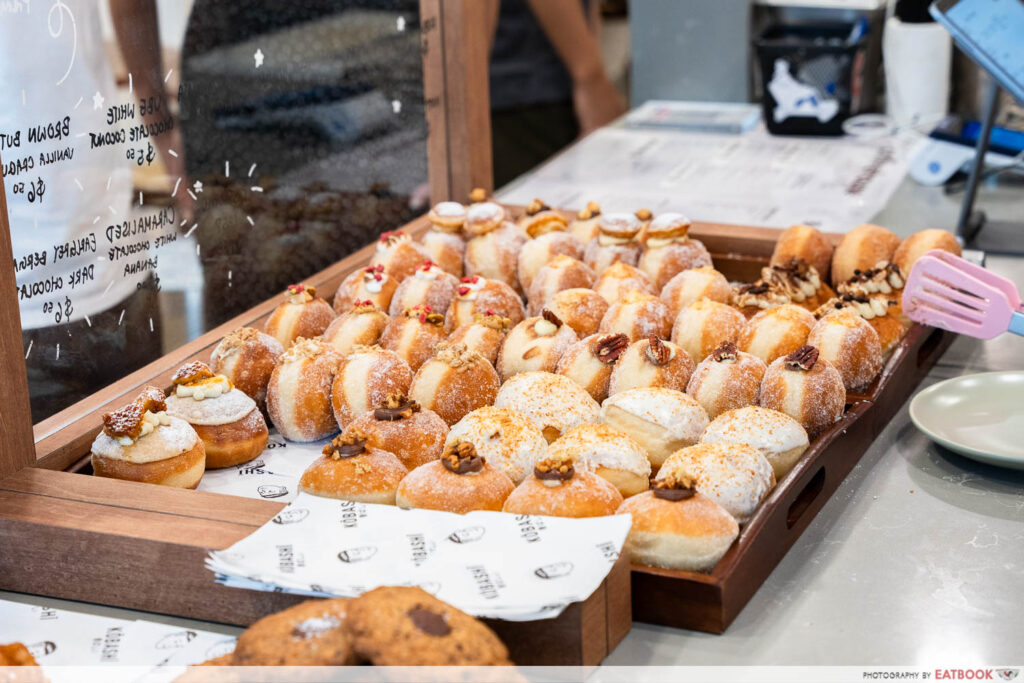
column 489, row 564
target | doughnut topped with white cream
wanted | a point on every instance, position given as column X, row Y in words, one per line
column 371, row 284
column 399, row 255
column 303, row 314
column 736, row 476
column 429, row 286
column 615, row 242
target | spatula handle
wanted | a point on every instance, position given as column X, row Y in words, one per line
column 1017, row 323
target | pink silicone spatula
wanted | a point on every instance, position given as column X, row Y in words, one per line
column 946, row 291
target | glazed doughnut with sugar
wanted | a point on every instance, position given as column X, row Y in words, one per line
column 638, row 316
column 444, row 243
column 880, row 311
column 312, row 633
column 776, row 332
column 584, row 225
column 727, row 379
column 580, row 309
column 508, row 441
column 364, row 380
column 460, row 481
column 803, row 242
column 484, row 335
column 608, row 453
column 703, row 325
column 619, row 279
column 477, row 295
column 734, row 475
column 805, row 387
column 651, row 362
column 696, row 283
column 492, row 251
column 141, row 442
column 428, row 286
column 537, row 253
column 455, row 382
column 554, row 403
column 398, row 425
column 559, row 487
column 350, row 469
column 615, row 242
column 677, row 527
column 299, row 392
column 591, row 361
column 920, row 243
column 361, row 325
column 660, row 420
column 414, row 334
column 860, row 249
column 247, row 357
column 780, row 438
column 562, row 272
column 399, row 255
column 534, row 344
column 303, row 314
column 366, row 284
column 226, row 419
column 849, row 343
column 669, row 251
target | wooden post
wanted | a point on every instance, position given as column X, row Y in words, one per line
column 17, row 449
column 455, row 46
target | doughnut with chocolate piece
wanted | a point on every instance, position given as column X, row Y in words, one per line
column 399, row 425
column 460, row 481
column 849, row 343
column 351, row 469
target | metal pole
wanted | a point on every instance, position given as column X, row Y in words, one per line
column 963, row 228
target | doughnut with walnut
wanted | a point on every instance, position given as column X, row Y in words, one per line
column 553, row 402
column 299, row 392
column 484, row 335
column 776, row 332
column 534, row 344
column 454, row 382
column 366, row 284
column 428, row 286
column 562, row 272
column 364, row 380
column 247, row 357
column 460, row 481
column 303, row 314
column 361, row 325
column 805, row 387
column 580, row 309
column 508, row 441
column 399, row 255
column 477, row 295
column 638, row 316
column 849, row 343
column 727, row 379
column 803, row 242
column 608, row 453
column 703, row 325
column 351, row 469
column 651, row 362
column 693, row 284
column 560, row 488
column 591, row 361
column 620, row 278
column 414, row 334
column 398, row 425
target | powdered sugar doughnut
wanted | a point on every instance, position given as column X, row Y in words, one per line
column 590, row 362
column 727, row 379
column 484, row 335
column 399, row 255
column 849, row 343
column 460, row 481
column 563, row 488
column 365, row 379
column 303, row 314
column 247, row 357
column 506, row 439
column 563, row 272
column 454, row 382
column 478, row 295
column 615, row 242
column 366, row 284
column 651, row 362
column 609, row 453
column 494, row 255
column 779, row 437
column 299, row 391
column 584, row 226
column 805, row 387
column 693, row 284
column 538, row 252
column 554, row 403
column 660, row 420
column 428, row 286
column 736, row 476
column 580, row 309
column 400, row 426
column 445, row 249
column 414, row 334
column 620, row 278
column 662, row 263
column 534, row 344
column 638, row 316
column 359, row 326
column 776, row 332
column 703, row 325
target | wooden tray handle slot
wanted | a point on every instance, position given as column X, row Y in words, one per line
column 804, row 499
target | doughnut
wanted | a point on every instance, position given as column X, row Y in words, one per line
column 608, row 453
column 477, row 295
column 247, row 357
column 312, row 633
column 554, row 403
column 484, row 335
column 414, row 334
column 884, row 279
column 460, row 481
column 696, row 283
column 651, row 362
column 860, row 249
column 361, row 325
column 428, row 286
column 806, row 243
column 364, row 380
column 590, row 362
column 727, row 379
column 493, row 250
column 367, row 284
column 799, row 282
column 677, row 527
column 615, row 242
column 850, row 344
column 638, row 315
column 454, row 382
column 881, row 313
column 920, row 243
column 734, row 475
column 661, row 420
column 229, row 423
column 508, row 441
column 398, row 425
column 779, row 437
column 580, row 309
column 16, row 654
column 537, row 253
column 298, row 398
column 776, row 332
column 669, row 251
column 751, row 299
column 805, row 387
column 703, row 325
column 302, row 314
column 444, row 243
column 399, row 255
column 534, row 344
column 539, row 220
column 620, row 278
column 141, row 442
column 584, row 226
column 350, row 469
column 562, row 272
column 559, row 488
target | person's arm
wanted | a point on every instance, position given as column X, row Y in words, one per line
column 596, row 98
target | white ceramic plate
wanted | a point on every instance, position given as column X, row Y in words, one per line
column 979, row 416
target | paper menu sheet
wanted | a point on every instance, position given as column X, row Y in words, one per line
column 489, row 564
column 833, row 184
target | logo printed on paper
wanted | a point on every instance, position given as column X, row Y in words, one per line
column 175, row 640
column 286, row 558
column 486, row 585
column 252, row 467
column 272, row 490
column 467, row 535
column 556, row 570
column 46, row 613
column 351, row 513
column 112, row 644
column 609, row 551
column 43, row 648
column 421, row 548
column 358, row 554
column 530, row 527
column 291, row 516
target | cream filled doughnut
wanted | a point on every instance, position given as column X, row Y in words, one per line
column 299, row 394
column 558, row 488
column 399, row 255
column 881, row 312
column 660, row 420
column 608, row 453
column 454, row 382
column 584, row 226
column 428, row 286
column 484, row 335
column 776, row 332
column 851, row 345
column 400, row 426
column 638, row 316
column 703, row 325
column 478, row 295
column 302, row 314
column 619, row 279
column 562, row 272
column 580, row 309
column 361, row 325
column 350, row 469
column 493, row 253
column 371, row 284
column 591, row 361
column 539, row 220
column 779, row 437
column 364, row 380
column 734, row 475
column 534, row 344
column 798, row 281
column 444, row 243
column 727, row 379
column 247, row 357
column 696, row 283
column 805, row 387
column 460, row 481
column 414, row 334
column 553, row 402
column 508, row 441
column 669, row 250
column 615, row 242
column 540, row 251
